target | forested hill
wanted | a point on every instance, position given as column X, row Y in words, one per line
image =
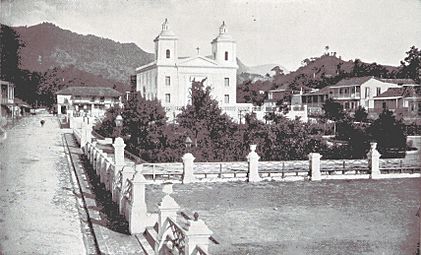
column 48, row 46
column 318, row 72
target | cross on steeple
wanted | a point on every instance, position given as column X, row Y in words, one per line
column 198, row 50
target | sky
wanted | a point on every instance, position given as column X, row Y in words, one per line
column 282, row 32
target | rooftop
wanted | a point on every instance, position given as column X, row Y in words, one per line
column 401, row 92
column 89, row 91
column 353, row 81
column 392, row 92
column 399, row 81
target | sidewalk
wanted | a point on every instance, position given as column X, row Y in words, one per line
column 38, row 210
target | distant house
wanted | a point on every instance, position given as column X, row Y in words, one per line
column 403, row 100
column 352, row 93
column 283, row 98
column 7, row 96
column 92, row 101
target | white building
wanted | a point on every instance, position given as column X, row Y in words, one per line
column 92, row 101
column 350, row 93
column 169, row 77
column 7, row 99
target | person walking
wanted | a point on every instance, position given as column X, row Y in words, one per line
column 42, row 123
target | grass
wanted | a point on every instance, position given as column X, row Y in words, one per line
column 328, row 217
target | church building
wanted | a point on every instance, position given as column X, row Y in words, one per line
column 169, row 77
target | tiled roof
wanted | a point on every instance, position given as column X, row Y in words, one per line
column 89, row 91
column 401, row 92
column 322, row 91
column 392, row 92
column 353, row 81
column 398, row 81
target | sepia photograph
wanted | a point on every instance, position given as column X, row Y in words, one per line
column 200, row 127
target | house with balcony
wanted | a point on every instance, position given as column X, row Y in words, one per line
column 350, row 93
column 405, row 101
column 280, row 99
column 89, row 101
column 7, row 97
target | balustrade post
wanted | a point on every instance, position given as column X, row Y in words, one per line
column 197, row 234
column 167, row 209
column 314, row 162
column 253, row 165
column 373, row 157
column 188, row 164
column 119, row 146
column 83, row 134
column 119, row 163
column 138, row 219
column 89, row 128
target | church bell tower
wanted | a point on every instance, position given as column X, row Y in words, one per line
column 166, row 46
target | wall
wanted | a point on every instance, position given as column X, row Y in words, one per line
column 367, row 99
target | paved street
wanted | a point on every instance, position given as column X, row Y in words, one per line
column 38, row 212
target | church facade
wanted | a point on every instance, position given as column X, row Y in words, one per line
column 169, row 77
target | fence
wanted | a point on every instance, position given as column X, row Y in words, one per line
column 127, row 187
column 314, row 169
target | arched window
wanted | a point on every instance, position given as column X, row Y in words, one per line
column 168, row 53
column 226, row 55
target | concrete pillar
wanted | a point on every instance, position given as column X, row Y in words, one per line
column 188, row 165
column 197, row 234
column 253, row 164
column 167, row 209
column 89, row 129
column 119, row 146
column 83, row 135
column 139, row 218
column 314, row 161
column 373, row 157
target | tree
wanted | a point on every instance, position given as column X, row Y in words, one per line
column 144, row 127
column 411, row 65
column 333, row 110
column 210, row 129
column 360, row 114
column 9, row 51
column 388, row 132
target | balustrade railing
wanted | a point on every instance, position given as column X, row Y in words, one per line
column 174, row 237
column 350, row 166
column 128, row 191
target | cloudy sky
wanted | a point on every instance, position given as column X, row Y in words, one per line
column 273, row 31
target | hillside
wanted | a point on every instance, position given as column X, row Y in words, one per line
column 265, row 69
column 325, row 67
column 48, row 46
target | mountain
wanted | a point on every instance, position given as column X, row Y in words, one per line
column 48, row 46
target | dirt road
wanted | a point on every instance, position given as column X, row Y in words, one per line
column 38, row 213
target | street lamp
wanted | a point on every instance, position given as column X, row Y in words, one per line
column 188, row 142
column 119, row 123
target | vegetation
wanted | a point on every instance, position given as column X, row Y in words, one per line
column 215, row 136
column 327, row 70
